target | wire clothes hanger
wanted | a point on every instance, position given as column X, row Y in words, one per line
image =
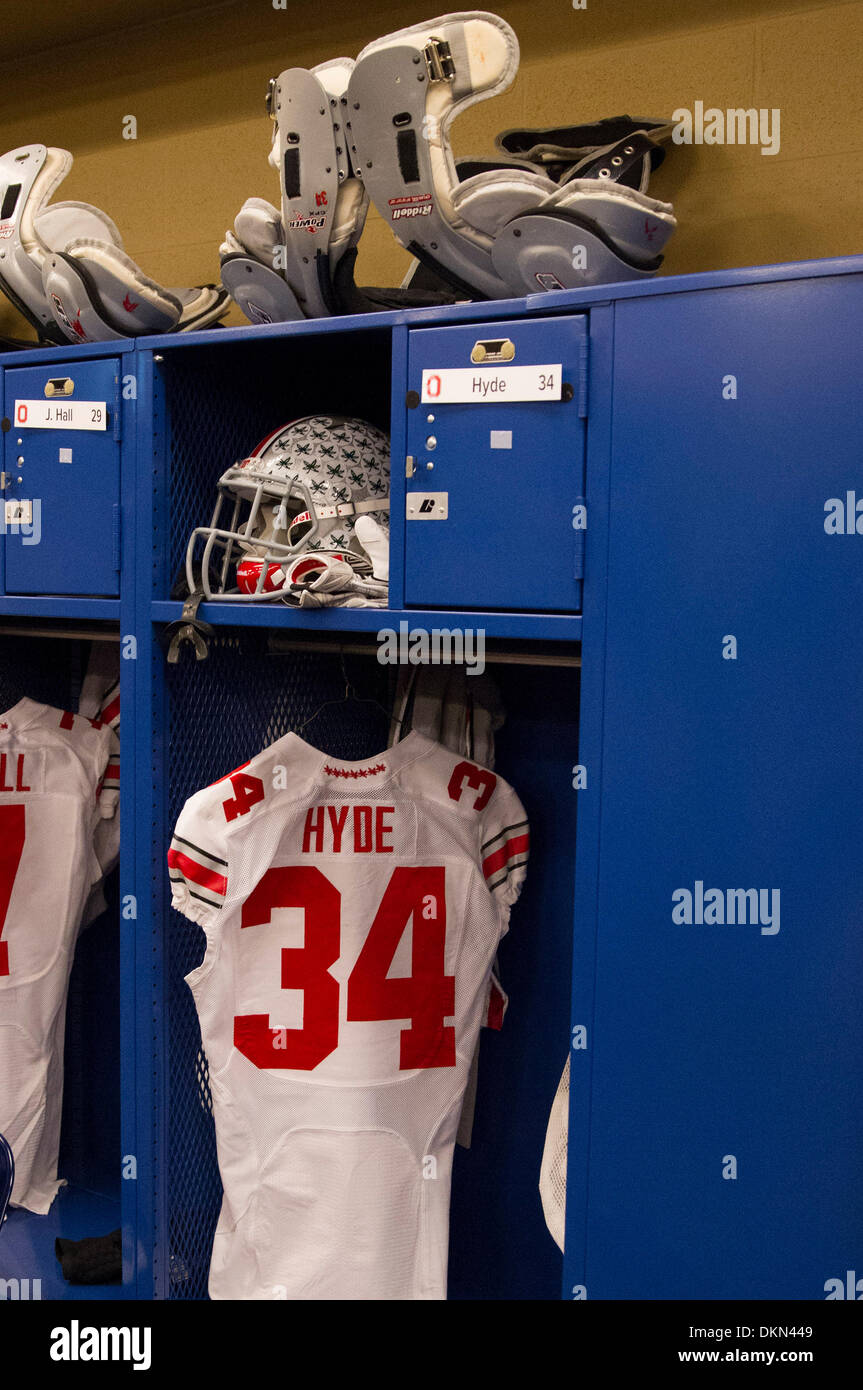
column 350, row 694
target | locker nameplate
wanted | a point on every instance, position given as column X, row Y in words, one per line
column 61, row 415
column 484, row 386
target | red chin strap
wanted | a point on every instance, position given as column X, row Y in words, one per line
column 248, row 574
column 304, row 570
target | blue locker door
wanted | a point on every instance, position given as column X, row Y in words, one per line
column 493, row 467
column 725, row 1142
column 62, row 490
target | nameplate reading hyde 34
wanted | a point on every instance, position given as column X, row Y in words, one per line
column 61, row 415
column 456, row 385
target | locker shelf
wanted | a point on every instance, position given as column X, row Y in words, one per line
column 554, row 627
column 51, row 606
column 27, row 1243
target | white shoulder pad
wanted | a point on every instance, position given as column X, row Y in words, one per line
column 404, row 94
column 61, row 223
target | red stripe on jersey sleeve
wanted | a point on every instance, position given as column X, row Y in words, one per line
column 495, row 862
column 110, row 712
column 196, row 873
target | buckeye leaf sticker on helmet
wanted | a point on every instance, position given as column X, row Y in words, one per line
column 298, row 495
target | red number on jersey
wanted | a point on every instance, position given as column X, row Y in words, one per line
column 248, row 791
column 12, row 832
column 67, row 720
column 304, row 967
column 466, row 774
column 427, row 995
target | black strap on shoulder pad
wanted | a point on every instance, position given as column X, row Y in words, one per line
column 425, row 291
column 566, row 152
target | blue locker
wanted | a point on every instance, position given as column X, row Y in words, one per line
column 716, row 1105
column 715, row 1145
column 61, row 478
column 495, row 465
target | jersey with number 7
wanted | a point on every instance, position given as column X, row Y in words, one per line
column 352, row 914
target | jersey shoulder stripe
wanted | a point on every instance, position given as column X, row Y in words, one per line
column 71, row 722
column 509, row 850
column 109, row 711
column 111, row 777
column 190, row 863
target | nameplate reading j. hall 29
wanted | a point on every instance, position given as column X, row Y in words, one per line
column 455, row 385
column 61, row 415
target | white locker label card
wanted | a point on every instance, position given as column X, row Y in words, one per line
column 61, row 415
column 484, row 385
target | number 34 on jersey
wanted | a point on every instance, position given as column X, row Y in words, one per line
column 376, row 893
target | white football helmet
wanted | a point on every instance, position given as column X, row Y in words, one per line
column 291, row 509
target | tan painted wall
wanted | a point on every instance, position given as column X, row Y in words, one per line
column 195, row 82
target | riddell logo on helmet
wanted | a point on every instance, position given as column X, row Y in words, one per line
column 7, row 229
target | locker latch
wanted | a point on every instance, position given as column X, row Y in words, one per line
column 493, row 350
column 59, row 386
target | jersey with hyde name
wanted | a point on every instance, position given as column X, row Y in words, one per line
column 352, row 914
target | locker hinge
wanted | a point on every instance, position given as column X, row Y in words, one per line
column 582, row 378
column 116, row 536
column 117, row 413
column 579, row 526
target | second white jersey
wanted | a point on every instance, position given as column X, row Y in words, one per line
column 352, row 914
column 57, row 781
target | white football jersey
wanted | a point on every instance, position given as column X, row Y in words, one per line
column 352, row 914
column 100, row 699
column 55, row 770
